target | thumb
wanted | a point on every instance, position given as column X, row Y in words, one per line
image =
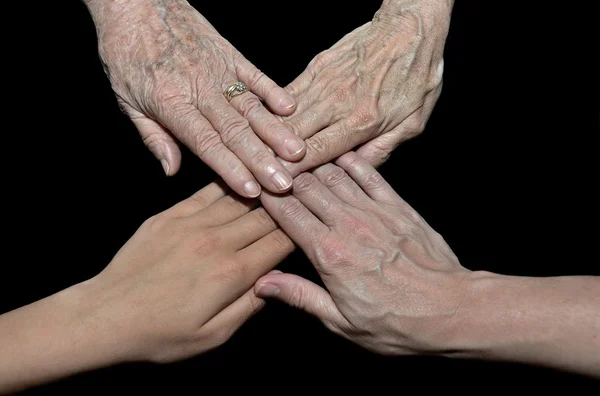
column 303, row 294
column 161, row 143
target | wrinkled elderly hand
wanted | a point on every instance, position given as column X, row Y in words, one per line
column 375, row 88
column 169, row 68
column 393, row 283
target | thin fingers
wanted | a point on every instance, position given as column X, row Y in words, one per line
column 295, row 219
column 271, row 131
column 225, row 210
column 201, row 199
column 310, row 121
column 237, row 135
column 318, row 199
column 323, row 147
column 367, row 177
column 199, row 136
column 279, row 100
column 248, row 229
column 342, row 185
column 230, row 319
column 264, row 254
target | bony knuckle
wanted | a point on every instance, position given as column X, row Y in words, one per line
column 290, row 207
column 333, row 254
column 234, row 132
column 262, row 158
column 297, row 296
column 205, row 145
column 203, row 242
column 256, row 77
column 373, row 180
column 304, row 182
column 318, row 147
column 249, row 105
column 333, row 175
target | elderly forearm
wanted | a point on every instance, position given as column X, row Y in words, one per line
column 553, row 322
column 55, row 337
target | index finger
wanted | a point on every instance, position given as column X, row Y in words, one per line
column 305, row 229
column 324, row 146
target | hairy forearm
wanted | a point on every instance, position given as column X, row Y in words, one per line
column 52, row 338
column 553, row 322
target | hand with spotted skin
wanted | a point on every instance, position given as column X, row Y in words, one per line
column 394, row 286
column 180, row 286
column 169, row 68
column 375, row 88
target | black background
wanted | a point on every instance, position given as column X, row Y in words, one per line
column 504, row 171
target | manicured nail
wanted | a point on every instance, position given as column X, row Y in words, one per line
column 267, row 290
column 251, row 189
column 294, row 146
column 165, row 166
column 287, row 103
column 282, row 181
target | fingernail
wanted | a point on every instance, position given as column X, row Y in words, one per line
column 294, row 146
column 282, row 181
column 267, row 290
column 287, row 103
column 165, row 166
column 251, row 189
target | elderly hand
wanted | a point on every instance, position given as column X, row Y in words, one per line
column 376, row 87
column 169, row 68
column 394, row 284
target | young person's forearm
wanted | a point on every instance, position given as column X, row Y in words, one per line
column 52, row 338
column 553, row 322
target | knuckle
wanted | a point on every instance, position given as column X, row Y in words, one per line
column 234, row 133
column 256, row 77
column 333, row 175
column 332, row 253
column 304, row 182
column 297, row 296
column 291, row 207
column 262, row 157
column 373, row 180
column 318, row 146
column 364, row 120
column 249, row 105
column 205, row 145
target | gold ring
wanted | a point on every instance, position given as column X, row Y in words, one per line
column 234, row 90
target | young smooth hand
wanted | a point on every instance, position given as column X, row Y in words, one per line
column 180, row 286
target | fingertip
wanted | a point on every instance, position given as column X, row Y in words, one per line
column 251, row 189
column 286, row 103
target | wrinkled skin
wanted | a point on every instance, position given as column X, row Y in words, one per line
column 374, row 89
column 169, row 68
column 393, row 284
column 182, row 284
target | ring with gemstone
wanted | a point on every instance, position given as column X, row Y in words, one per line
column 234, row 90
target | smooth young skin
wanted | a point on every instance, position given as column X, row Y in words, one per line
column 375, row 88
column 180, row 286
column 395, row 287
column 169, row 68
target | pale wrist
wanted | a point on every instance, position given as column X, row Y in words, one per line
column 548, row 321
